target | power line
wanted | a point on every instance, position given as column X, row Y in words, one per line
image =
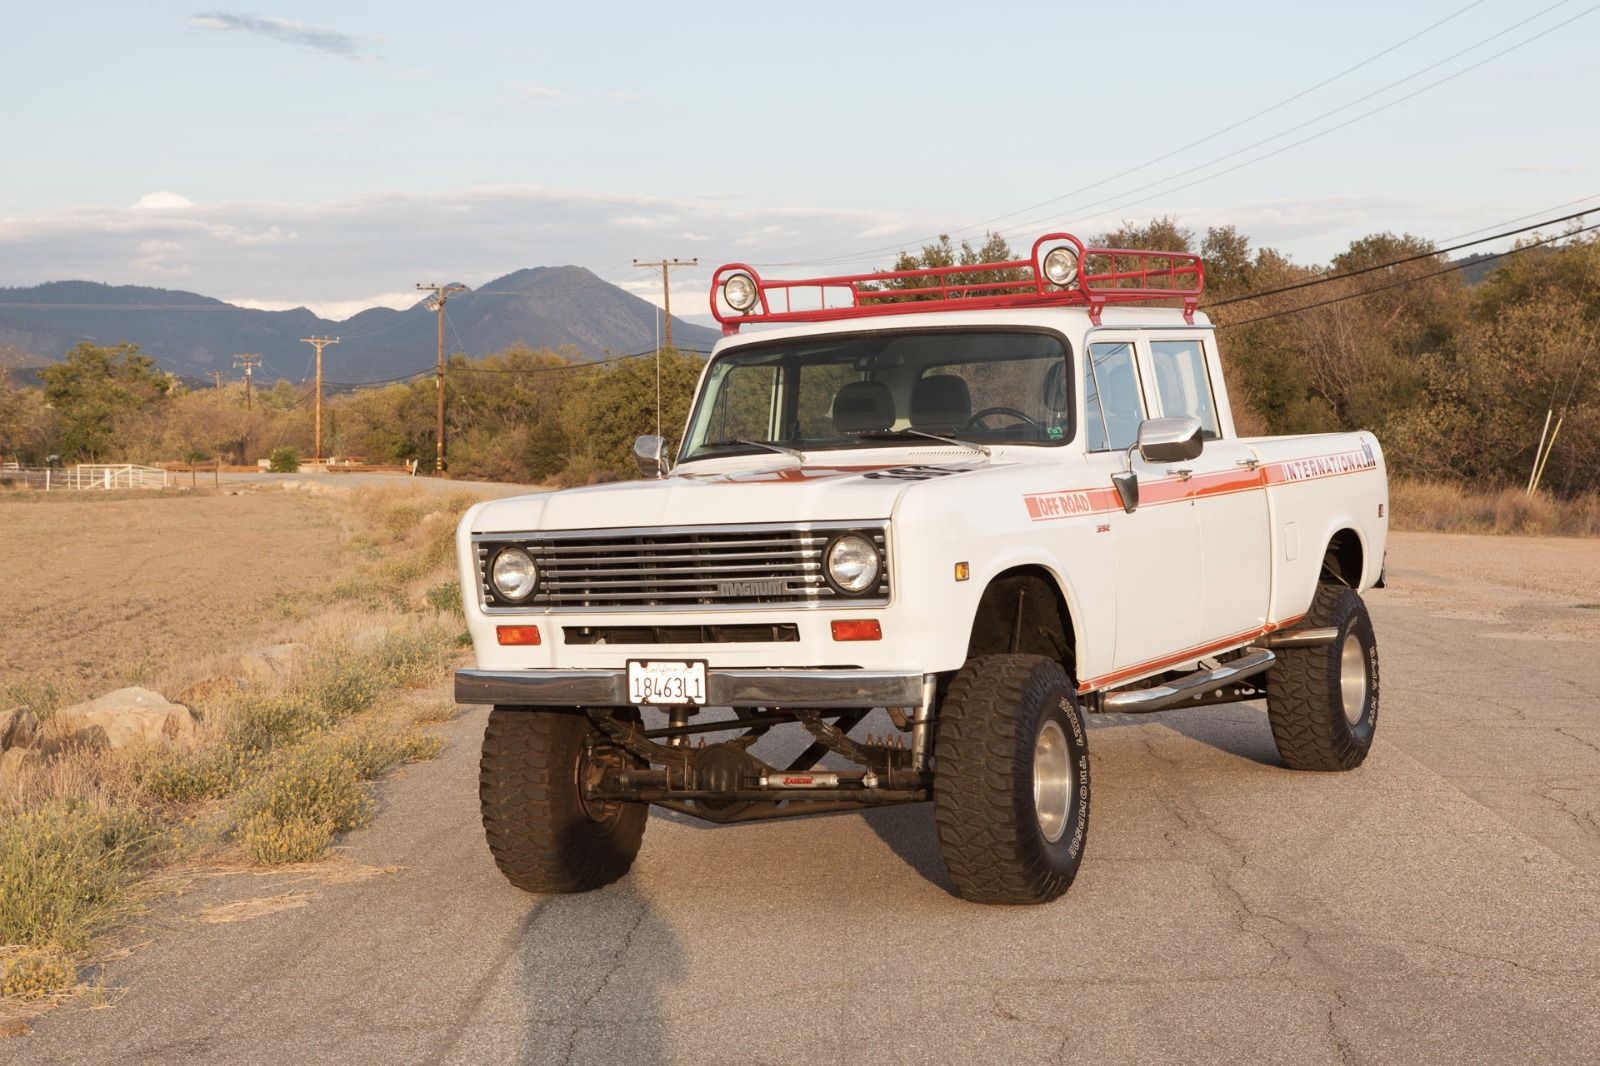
column 441, row 296
column 248, row 361
column 666, row 266
column 846, row 258
column 1310, row 282
column 319, row 343
column 1410, row 281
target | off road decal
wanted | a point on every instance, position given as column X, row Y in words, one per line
column 1070, row 503
column 1046, row 505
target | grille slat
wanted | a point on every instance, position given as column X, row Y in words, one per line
column 748, row 566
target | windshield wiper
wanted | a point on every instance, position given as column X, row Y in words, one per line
column 896, row 434
column 780, row 449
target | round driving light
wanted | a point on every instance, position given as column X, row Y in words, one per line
column 1061, row 266
column 740, row 292
column 513, row 574
column 853, row 563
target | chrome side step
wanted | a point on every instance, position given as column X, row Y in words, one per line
column 1299, row 638
column 1160, row 697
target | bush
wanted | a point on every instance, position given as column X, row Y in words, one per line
column 258, row 724
column 64, row 872
column 284, row 461
column 32, row 973
column 292, row 813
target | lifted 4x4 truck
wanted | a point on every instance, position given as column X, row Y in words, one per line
column 987, row 500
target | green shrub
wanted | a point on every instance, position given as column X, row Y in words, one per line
column 291, row 812
column 256, row 724
column 64, row 873
column 284, row 461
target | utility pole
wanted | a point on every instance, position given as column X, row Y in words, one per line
column 319, row 343
column 216, row 375
column 441, row 296
column 248, row 361
column 665, row 266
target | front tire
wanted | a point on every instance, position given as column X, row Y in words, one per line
column 543, row 835
column 1323, row 702
column 1011, row 780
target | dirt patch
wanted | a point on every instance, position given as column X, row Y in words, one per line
column 1546, row 585
column 104, row 592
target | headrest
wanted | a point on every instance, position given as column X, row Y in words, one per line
column 863, row 406
column 941, row 400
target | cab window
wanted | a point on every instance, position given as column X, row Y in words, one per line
column 1183, row 384
column 1113, row 407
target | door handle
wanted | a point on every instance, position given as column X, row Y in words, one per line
column 1185, row 474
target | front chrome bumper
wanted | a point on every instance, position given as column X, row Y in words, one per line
column 724, row 688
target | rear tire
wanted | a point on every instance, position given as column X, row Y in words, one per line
column 1011, row 780
column 1323, row 702
column 543, row 836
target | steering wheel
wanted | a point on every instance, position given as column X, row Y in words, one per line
column 976, row 421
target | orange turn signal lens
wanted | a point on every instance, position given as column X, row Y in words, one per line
column 517, row 634
column 857, row 629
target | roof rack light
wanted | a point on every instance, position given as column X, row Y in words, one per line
column 1059, row 271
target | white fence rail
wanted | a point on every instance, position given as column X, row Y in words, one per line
column 103, row 476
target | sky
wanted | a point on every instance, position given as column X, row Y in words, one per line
column 332, row 155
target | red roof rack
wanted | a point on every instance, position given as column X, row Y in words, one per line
column 1102, row 276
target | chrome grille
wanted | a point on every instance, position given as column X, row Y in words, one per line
column 685, row 567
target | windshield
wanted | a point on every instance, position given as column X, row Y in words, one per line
column 883, row 389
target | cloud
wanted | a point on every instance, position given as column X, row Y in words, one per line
column 622, row 96
column 333, row 310
column 162, row 201
column 285, row 31
column 522, row 90
column 1554, row 170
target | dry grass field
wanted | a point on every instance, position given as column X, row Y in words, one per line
column 100, row 592
column 353, row 588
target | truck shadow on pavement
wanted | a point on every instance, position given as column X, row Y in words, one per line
column 592, row 972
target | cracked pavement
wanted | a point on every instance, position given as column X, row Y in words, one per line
column 1442, row 903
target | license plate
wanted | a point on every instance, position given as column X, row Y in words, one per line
column 666, row 684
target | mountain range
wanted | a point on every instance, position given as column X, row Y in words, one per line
column 193, row 335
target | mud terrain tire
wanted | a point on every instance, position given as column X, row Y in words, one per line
column 1323, row 702
column 1010, row 731
column 543, row 836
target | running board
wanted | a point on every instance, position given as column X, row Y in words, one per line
column 1159, row 698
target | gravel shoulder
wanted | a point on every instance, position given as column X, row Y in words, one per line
column 1442, row 903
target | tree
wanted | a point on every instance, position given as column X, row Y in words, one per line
column 26, row 423
column 994, row 249
column 93, row 389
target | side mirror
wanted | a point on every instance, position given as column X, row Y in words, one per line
column 1170, row 440
column 650, row 452
column 1127, row 486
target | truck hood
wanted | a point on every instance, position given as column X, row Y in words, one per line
column 774, row 493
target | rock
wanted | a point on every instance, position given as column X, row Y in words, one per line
column 13, row 762
column 274, row 662
column 131, row 716
column 19, row 728
column 207, row 690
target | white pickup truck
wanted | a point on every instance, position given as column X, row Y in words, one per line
column 983, row 500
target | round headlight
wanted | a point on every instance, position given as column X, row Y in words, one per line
column 513, row 574
column 1061, row 266
column 740, row 292
column 853, row 563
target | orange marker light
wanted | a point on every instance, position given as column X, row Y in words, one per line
column 517, row 634
column 857, row 629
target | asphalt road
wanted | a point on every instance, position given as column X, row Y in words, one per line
column 1441, row 904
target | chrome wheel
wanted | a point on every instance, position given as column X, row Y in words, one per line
column 1052, row 781
column 1353, row 679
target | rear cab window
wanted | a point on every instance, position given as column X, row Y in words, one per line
column 1183, row 383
